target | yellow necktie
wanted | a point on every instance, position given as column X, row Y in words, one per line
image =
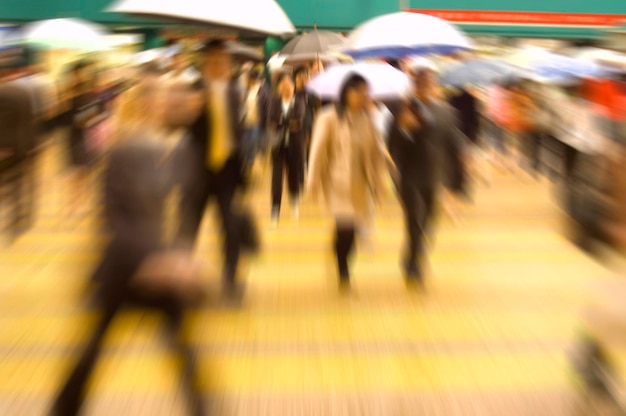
column 218, row 149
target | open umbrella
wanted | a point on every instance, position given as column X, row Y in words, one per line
column 264, row 17
column 478, row 72
column 311, row 46
column 397, row 35
column 244, row 52
column 549, row 65
column 607, row 59
column 75, row 34
column 385, row 81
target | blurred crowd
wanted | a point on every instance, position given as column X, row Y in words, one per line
column 198, row 125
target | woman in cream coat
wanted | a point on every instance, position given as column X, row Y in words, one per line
column 348, row 159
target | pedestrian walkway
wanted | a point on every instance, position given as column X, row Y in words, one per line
column 489, row 337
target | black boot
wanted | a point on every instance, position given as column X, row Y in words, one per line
column 344, row 244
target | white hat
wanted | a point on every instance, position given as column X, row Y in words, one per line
column 276, row 62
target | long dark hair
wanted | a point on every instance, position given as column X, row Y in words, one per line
column 353, row 81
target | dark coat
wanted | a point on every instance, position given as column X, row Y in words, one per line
column 293, row 122
column 428, row 158
column 466, row 106
column 137, row 181
column 17, row 127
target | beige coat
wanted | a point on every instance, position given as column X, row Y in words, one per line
column 348, row 163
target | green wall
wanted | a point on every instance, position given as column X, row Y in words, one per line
column 341, row 15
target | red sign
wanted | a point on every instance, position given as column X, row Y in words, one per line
column 525, row 18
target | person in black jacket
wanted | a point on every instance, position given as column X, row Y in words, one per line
column 421, row 141
column 286, row 122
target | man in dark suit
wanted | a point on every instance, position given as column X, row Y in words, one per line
column 422, row 142
column 218, row 163
column 286, row 122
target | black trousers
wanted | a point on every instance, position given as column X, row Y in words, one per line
column 533, row 141
column 121, row 262
column 291, row 158
column 219, row 187
column 345, row 235
column 418, row 206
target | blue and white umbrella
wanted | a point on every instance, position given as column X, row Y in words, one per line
column 402, row 34
column 9, row 37
column 549, row 66
column 479, row 72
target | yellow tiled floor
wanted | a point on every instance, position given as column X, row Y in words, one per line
column 489, row 337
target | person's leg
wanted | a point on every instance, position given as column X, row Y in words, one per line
column 344, row 244
column 191, row 212
column 180, row 344
column 536, row 151
column 278, row 166
column 230, row 230
column 70, row 399
column 412, row 206
column 295, row 169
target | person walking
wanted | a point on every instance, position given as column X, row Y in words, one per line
column 347, row 164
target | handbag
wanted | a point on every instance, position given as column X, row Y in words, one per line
column 172, row 272
column 97, row 136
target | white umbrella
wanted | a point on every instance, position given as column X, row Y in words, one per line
column 75, row 34
column 385, row 81
column 256, row 16
column 149, row 55
column 402, row 34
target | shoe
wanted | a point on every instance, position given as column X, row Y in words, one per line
column 413, row 276
column 274, row 219
column 233, row 293
column 344, row 285
column 296, row 209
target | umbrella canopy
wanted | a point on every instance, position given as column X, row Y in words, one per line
column 311, row 46
column 609, row 60
column 75, row 34
column 9, row 38
column 549, row 65
column 478, row 72
column 385, row 81
column 251, row 16
column 397, row 35
column 244, row 52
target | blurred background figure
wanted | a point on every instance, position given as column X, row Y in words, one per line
column 522, row 126
column 466, row 104
column 142, row 170
column 252, row 119
column 130, row 109
column 18, row 138
column 286, row 123
column 498, row 109
column 347, row 165
column 86, row 110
